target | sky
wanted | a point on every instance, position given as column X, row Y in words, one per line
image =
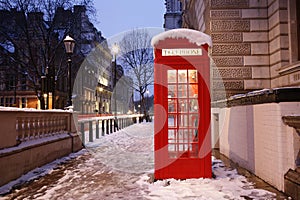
column 116, row 16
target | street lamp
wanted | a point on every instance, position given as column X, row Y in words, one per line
column 115, row 50
column 147, row 102
column 69, row 46
column 99, row 104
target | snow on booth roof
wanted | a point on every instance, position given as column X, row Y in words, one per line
column 193, row 36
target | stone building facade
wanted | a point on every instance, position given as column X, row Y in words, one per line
column 173, row 15
column 255, row 42
column 21, row 46
column 92, row 61
column 255, row 46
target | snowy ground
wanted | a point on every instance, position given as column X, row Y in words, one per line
column 120, row 166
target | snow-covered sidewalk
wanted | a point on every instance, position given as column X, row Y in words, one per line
column 120, row 166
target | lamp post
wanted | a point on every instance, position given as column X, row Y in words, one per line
column 115, row 51
column 100, row 103
column 69, row 46
column 147, row 101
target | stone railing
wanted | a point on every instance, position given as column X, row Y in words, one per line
column 19, row 125
column 93, row 127
column 23, row 125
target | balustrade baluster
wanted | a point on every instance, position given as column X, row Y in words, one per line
column 107, row 126
column 34, row 127
column 44, row 126
column 26, row 129
column 50, row 125
column 60, row 124
column 91, row 139
column 82, row 132
column 19, row 129
column 38, row 126
column 97, row 129
column 103, row 127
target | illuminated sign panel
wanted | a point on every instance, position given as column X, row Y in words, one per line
column 182, row 52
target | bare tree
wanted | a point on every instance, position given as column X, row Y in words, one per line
column 30, row 36
column 137, row 59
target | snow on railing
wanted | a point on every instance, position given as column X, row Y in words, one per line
column 90, row 127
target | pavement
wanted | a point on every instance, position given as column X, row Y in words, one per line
column 258, row 183
column 112, row 169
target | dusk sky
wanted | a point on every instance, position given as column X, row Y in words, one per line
column 115, row 16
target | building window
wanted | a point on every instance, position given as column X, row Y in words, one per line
column 23, row 82
column 11, row 83
column 24, row 102
column 1, row 101
column 8, row 101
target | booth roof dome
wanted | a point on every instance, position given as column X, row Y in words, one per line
column 193, row 36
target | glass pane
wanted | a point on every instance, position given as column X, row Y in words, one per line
column 171, row 105
column 182, row 76
column 183, row 147
column 180, row 135
column 194, row 135
column 183, row 121
column 171, row 120
column 193, row 105
column 193, row 90
column 171, row 147
column 193, row 76
column 171, row 135
column 171, row 76
column 171, row 91
column 183, row 136
column 182, row 91
column 183, row 105
column 193, row 121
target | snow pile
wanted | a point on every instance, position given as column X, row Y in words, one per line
column 4, row 108
column 35, row 141
column 193, row 36
column 227, row 185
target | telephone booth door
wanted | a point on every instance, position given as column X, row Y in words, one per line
column 182, row 109
column 182, row 113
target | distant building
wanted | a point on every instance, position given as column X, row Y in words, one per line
column 92, row 61
column 23, row 61
column 255, row 43
column 39, row 81
column 173, row 14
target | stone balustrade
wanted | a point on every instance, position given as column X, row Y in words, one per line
column 31, row 138
column 94, row 126
column 19, row 125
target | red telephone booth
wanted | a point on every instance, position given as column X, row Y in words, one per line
column 182, row 105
